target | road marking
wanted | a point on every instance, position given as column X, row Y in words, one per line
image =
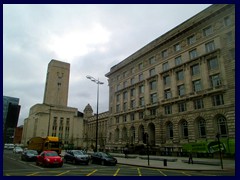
column 115, row 174
column 186, row 174
column 32, row 174
column 36, row 166
column 139, row 172
column 162, row 173
column 92, row 172
column 62, row 173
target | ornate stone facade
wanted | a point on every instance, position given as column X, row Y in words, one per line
column 179, row 88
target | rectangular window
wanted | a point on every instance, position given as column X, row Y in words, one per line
column 141, row 101
column 152, row 72
column 124, row 84
column 208, row 31
column 218, row 100
column 140, row 77
column 213, row 63
column 229, row 36
column 195, row 69
column 178, row 60
column 140, row 115
column 153, row 98
column 191, row 40
column 167, row 94
column 168, row 109
column 210, row 47
column 132, row 70
column 164, row 54
column 117, row 108
column 198, row 104
column 193, row 54
column 153, row 85
column 215, row 80
column 141, row 89
column 166, row 80
column 182, row 107
column 181, row 90
column 177, row 47
column 152, row 60
column 125, row 118
column 117, row 120
column 197, row 86
column 180, row 75
column 132, row 116
column 125, row 106
column 227, row 21
column 132, row 81
column 118, row 87
column 132, row 92
column 140, row 66
column 153, row 112
column 118, row 97
column 125, row 96
column 165, row 66
column 133, row 103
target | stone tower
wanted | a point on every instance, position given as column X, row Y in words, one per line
column 57, row 83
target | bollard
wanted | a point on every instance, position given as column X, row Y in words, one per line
column 165, row 162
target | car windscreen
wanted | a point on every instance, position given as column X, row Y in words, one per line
column 32, row 152
column 51, row 154
column 78, row 153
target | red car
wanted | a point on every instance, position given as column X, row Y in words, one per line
column 49, row 158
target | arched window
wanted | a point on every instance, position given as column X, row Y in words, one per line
column 170, row 130
column 184, row 128
column 222, row 126
column 202, row 128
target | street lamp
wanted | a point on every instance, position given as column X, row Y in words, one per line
column 97, row 82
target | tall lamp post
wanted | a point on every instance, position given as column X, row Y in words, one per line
column 97, row 82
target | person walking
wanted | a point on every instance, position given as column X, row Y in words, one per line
column 125, row 151
column 190, row 160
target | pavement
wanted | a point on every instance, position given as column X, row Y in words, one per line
column 177, row 163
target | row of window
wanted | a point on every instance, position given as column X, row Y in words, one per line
column 217, row 100
column 195, row 69
column 209, row 47
column 200, row 124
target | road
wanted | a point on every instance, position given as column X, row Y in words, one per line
column 14, row 166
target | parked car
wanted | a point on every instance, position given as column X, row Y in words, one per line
column 17, row 150
column 29, row 155
column 103, row 158
column 49, row 158
column 76, row 157
column 9, row 146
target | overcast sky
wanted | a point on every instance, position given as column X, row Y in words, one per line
column 92, row 38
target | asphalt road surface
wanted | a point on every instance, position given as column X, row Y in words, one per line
column 14, row 166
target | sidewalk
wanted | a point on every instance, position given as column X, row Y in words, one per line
column 180, row 163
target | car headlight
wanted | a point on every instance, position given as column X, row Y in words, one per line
column 48, row 160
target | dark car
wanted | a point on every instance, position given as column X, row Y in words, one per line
column 29, row 155
column 103, row 158
column 49, row 158
column 76, row 157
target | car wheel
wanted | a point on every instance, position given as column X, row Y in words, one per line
column 102, row 162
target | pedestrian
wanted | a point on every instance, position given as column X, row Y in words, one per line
column 190, row 160
column 125, row 151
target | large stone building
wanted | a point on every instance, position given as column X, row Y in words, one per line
column 53, row 117
column 179, row 88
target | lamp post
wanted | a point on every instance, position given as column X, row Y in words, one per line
column 97, row 82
